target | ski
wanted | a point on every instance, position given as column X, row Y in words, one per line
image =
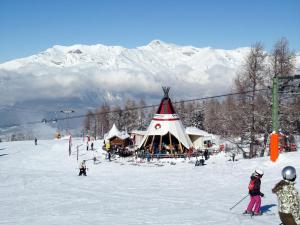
column 252, row 215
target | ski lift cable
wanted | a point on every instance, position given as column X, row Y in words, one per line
column 134, row 108
column 23, row 109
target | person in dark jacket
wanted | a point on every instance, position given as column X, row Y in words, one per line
column 108, row 155
column 82, row 169
column 233, row 156
column 92, row 146
column 255, row 194
column 206, row 154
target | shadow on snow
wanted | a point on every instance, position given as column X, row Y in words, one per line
column 266, row 208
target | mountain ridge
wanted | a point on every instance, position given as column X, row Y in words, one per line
column 84, row 76
column 92, row 50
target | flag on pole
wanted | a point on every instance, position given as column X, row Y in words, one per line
column 70, row 145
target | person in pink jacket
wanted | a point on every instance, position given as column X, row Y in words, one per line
column 255, row 194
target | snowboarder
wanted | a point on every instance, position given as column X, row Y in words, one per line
column 255, row 194
column 288, row 198
column 82, row 168
column 35, row 141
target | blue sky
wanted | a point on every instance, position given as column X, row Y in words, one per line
column 31, row 26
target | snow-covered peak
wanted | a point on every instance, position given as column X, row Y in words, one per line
column 156, row 42
column 117, row 56
column 97, row 72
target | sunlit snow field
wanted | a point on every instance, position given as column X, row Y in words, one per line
column 39, row 185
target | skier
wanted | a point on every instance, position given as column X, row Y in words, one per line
column 108, row 155
column 288, row 198
column 92, row 146
column 35, row 141
column 233, row 156
column 148, row 156
column 82, row 168
column 255, row 194
column 87, row 146
column 206, row 154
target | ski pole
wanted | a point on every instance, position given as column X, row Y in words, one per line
column 239, row 202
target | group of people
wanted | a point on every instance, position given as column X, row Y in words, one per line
column 92, row 146
column 287, row 194
column 288, row 198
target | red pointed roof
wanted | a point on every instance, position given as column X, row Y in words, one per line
column 166, row 106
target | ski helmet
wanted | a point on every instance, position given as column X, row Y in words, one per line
column 289, row 173
column 259, row 172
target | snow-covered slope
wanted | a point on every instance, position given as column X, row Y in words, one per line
column 39, row 185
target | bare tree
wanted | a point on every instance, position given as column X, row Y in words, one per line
column 131, row 116
column 282, row 61
column 142, row 115
column 117, row 117
column 103, row 118
column 282, row 58
column 212, row 119
column 250, row 79
column 196, row 115
column 88, row 121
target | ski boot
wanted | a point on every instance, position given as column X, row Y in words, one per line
column 257, row 213
column 246, row 212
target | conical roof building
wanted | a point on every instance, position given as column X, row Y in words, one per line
column 166, row 131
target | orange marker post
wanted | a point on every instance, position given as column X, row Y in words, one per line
column 274, row 147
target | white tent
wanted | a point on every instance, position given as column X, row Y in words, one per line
column 137, row 136
column 198, row 137
column 166, row 126
column 114, row 132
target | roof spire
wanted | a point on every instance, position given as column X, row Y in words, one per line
column 166, row 106
column 166, row 91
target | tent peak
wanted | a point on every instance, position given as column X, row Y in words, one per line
column 166, row 91
column 165, row 106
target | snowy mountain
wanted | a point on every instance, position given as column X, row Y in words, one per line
column 81, row 76
column 109, row 72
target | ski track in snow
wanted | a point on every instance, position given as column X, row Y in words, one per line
column 39, row 186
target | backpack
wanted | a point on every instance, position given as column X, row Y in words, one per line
column 251, row 184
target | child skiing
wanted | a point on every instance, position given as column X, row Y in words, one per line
column 288, row 198
column 255, row 194
column 82, row 169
